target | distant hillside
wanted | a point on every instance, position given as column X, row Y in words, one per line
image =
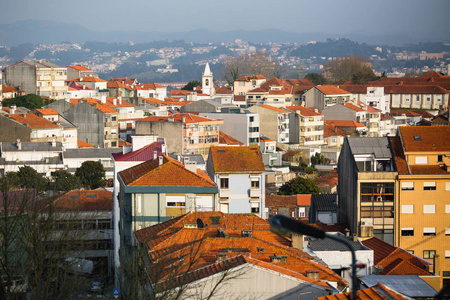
column 47, row 32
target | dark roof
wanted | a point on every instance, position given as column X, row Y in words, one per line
column 376, row 146
column 325, row 202
column 89, row 152
column 32, row 146
column 332, row 245
column 408, row 285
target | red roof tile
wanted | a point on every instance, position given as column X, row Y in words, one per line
column 425, row 138
column 344, row 123
column 281, row 201
column 33, row 121
column 331, row 90
column 47, row 111
column 240, row 159
column 377, row 292
column 303, row 200
column 88, row 79
column 80, row 68
column 85, row 200
column 304, row 111
column 248, row 78
column 170, row 173
column 8, row 89
column 228, row 140
column 82, row 144
column 332, row 130
column 277, row 109
column 399, row 156
column 144, row 154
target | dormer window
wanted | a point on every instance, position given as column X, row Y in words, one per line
column 417, row 138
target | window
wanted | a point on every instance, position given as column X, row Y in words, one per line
column 429, row 209
column 255, row 183
column 421, row 160
column 407, row 186
column 429, row 186
column 377, row 192
column 139, row 204
column 447, row 208
column 428, row 99
column 302, row 212
column 113, row 118
column 255, row 207
column 175, row 201
column 447, row 186
column 440, row 158
column 447, row 231
column 418, row 98
column 446, row 273
column 377, row 212
column 253, row 82
column 253, row 129
column 224, row 183
column 427, row 254
column 409, row 231
column 241, row 83
column 447, row 254
column 410, row 251
column 408, row 209
column 251, row 119
column 429, row 231
column 113, row 144
column 253, row 140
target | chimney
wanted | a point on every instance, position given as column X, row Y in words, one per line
column 155, row 155
column 19, row 144
column 297, row 241
column 313, row 274
column 347, row 232
column 120, row 100
column 53, row 143
column 163, row 148
column 126, row 149
column 12, row 109
column 278, row 258
column 221, row 256
column 354, row 237
column 161, row 160
column 115, row 101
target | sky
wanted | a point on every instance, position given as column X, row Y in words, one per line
column 409, row 17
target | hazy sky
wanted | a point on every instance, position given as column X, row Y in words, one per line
column 331, row 16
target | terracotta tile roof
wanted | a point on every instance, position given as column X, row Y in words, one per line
column 439, row 120
column 298, row 82
column 8, row 89
column 381, row 249
column 303, row 200
column 80, row 68
column 329, row 181
column 331, row 90
column 331, row 130
column 180, row 92
column 354, row 107
column 402, row 267
column 177, row 239
column 147, row 86
column 144, row 154
column 82, row 144
column 239, row 98
column 119, row 103
column 408, row 113
column 274, row 81
column 432, row 138
column 355, row 88
column 223, row 91
column 277, row 109
column 88, row 79
column 123, row 143
column 304, row 111
column 240, row 159
column 176, row 102
column 155, row 101
column 188, row 118
column 33, row 121
column 281, row 201
column 85, row 200
column 424, row 114
column 126, row 81
column 257, row 90
column 386, row 117
column 228, row 140
column 301, row 89
column 248, row 78
column 399, row 157
column 377, row 292
column 415, row 89
column 47, row 111
column 117, row 84
column 428, row 170
column 344, row 123
column 277, row 92
column 170, row 173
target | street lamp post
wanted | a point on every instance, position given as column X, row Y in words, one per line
column 284, row 225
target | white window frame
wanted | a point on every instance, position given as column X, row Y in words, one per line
column 447, row 231
column 429, row 208
column 421, row 160
column 407, row 209
column 429, row 230
column 407, row 185
column 447, row 208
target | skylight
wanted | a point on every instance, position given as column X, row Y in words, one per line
column 417, row 138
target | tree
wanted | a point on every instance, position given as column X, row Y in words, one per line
column 315, row 78
column 31, row 255
column 191, row 85
column 299, row 185
column 30, row 101
column 318, row 159
column 64, row 181
column 30, row 178
column 257, row 63
column 91, row 174
column 353, row 68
